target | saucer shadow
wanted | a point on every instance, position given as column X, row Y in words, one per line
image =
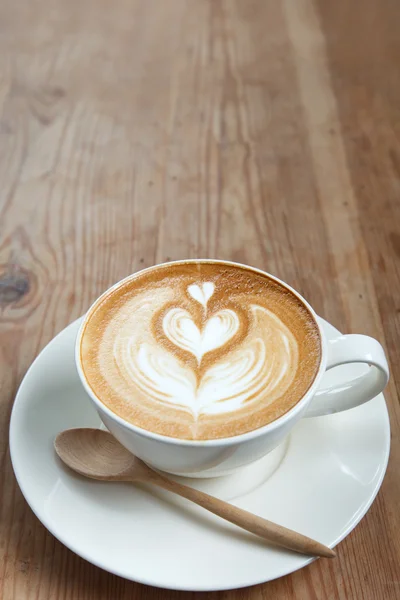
column 181, row 506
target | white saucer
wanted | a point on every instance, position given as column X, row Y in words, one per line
column 321, row 483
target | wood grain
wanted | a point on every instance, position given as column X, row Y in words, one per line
column 136, row 132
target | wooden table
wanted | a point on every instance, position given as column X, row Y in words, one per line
column 134, row 132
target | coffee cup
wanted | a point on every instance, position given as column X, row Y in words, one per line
column 201, row 367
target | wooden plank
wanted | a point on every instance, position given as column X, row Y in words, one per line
column 256, row 131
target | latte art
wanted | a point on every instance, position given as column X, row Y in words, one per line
column 186, row 352
column 226, row 383
column 180, row 328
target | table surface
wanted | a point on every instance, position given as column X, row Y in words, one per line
column 134, row 132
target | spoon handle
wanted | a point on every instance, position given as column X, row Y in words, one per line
column 272, row 532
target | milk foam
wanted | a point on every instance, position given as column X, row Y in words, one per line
column 258, row 366
column 200, row 350
column 180, row 328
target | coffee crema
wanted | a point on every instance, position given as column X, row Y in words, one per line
column 200, row 350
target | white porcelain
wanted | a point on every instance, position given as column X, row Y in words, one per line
column 320, row 481
column 212, row 458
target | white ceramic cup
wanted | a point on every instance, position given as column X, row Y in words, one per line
column 210, row 458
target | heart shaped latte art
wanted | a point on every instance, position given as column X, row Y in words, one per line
column 201, row 293
column 261, row 365
column 182, row 331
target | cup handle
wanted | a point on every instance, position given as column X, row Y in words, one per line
column 347, row 349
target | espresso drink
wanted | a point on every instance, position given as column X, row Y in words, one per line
column 200, row 350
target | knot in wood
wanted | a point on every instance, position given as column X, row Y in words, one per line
column 13, row 286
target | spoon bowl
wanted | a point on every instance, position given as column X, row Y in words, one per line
column 95, row 453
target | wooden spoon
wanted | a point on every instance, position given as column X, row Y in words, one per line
column 97, row 454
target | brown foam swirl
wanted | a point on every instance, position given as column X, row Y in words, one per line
column 184, row 353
